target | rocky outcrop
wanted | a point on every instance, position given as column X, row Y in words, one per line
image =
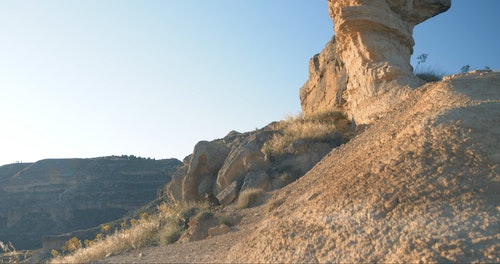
column 327, row 80
column 52, row 197
column 243, row 159
column 219, row 170
column 370, row 64
column 205, row 163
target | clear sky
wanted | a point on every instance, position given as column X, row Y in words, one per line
column 151, row 78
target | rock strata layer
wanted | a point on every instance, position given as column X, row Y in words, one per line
column 56, row 196
column 365, row 69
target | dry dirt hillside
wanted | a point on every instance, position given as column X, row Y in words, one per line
column 422, row 184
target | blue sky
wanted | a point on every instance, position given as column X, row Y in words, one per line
column 151, row 78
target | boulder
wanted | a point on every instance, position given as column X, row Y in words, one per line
column 229, row 193
column 299, row 158
column 242, row 159
column 206, row 160
column 368, row 63
column 256, row 180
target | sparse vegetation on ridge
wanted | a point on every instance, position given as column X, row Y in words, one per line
column 430, row 75
column 427, row 74
column 320, row 127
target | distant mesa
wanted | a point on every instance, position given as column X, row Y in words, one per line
column 56, row 196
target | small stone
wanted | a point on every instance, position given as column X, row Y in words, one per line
column 218, row 230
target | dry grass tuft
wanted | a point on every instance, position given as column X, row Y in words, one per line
column 320, row 127
column 249, row 197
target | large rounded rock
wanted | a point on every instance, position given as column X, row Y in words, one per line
column 207, row 159
column 243, row 159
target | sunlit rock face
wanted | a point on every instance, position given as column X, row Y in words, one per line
column 370, row 69
column 327, row 80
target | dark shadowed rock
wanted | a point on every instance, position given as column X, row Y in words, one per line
column 256, row 180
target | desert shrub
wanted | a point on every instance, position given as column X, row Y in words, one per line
column 72, row 245
column 248, row 197
column 320, row 127
column 429, row 75
column 465, row 69
column 145, row 233
column 54, row 253
column 170, row 233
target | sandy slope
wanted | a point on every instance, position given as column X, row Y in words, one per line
column 420, row 185
column 423, row 184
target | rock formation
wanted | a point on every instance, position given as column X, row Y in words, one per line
column 205, row 163
column 218, row 170
column 56, row 196
column 327, row 80
column 366, row 67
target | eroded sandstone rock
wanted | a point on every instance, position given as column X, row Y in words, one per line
column 243, row 159
column 374, row 42
column 327, row 80
column 228, row 194
column 207, row 159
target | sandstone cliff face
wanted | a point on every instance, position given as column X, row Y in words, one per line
column 373, row 45
column 327, row 80
column 51, row 197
